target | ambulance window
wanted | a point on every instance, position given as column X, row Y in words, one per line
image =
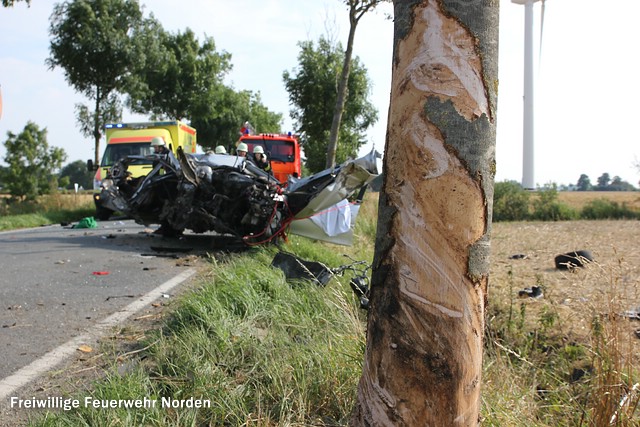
column 115, row 152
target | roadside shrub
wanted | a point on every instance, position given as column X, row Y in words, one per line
column 607, row 209
column 546, row 207
column 510, row 202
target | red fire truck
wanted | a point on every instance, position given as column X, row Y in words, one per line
column 283, row 150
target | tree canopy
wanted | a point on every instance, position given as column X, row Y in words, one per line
column 312, row 89
column 181, row 79
column 76, row 172
column 32, row 165
column 221, row 124
column 107, row 49
column 97, row 44
column 10, row 3
column 604, row 183
column 584, row 183
column 604, row 180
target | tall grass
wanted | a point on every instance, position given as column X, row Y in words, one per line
column 537, row 372
column 50, row 209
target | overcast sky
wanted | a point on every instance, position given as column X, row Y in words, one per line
column 586, row 80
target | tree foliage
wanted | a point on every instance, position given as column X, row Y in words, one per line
column 10, row 3
column 221, row 125
column 97, row 44
column 182, row 77
column 604, row 183
column 32, row 165
column 183, row 80
column 312, row 89
column 110, row 111
column 584, row 183
column 76, row 172
column 510, row 202
column 604, row 180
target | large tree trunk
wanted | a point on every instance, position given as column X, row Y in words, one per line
column 425, row 329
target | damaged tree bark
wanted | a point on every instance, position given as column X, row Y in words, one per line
column 424, row 340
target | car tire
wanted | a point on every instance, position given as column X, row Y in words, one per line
column 103, row 214
column 574, row 259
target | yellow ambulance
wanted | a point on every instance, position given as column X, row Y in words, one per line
column 134, row 139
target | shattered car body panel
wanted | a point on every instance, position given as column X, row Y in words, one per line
column 229, row 195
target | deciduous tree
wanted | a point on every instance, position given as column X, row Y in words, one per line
column 181, row 78
column 10, row 3
column 425, row 328
column 95, row 43
column 76, row 172
column 604, row 180
column 584, row 183
column 312, row 93
column 32, row 165
column 221, row 125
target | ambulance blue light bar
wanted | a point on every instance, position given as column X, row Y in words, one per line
column 138, row 125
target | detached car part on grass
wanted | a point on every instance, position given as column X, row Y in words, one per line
column 230, row 195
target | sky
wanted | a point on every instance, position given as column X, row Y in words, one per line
column 586, row 79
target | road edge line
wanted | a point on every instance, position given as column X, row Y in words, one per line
column 27, row 374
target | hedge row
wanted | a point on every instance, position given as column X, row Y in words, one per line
column 512, row 203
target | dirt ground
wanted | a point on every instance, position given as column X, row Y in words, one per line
column 610, row 285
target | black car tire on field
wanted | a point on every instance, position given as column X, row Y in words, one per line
column 573, row 259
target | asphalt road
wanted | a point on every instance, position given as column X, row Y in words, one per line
column 58, row 282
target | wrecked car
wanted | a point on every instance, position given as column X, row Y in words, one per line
column 230, row 195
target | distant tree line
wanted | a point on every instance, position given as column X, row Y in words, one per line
column 512, row 203
column 604, row 183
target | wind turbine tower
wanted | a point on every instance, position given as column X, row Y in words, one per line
column 528, row 182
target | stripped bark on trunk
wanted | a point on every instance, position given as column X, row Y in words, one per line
column 425, row 329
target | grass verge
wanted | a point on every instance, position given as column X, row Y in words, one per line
column 258, row 349
column 14, row 222
column 50, row 209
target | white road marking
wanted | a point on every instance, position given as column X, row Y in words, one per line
column 38, row 367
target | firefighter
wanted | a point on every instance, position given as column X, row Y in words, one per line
column 221, row 150
column 242, row 150
column 159, row 147
column 260, row 159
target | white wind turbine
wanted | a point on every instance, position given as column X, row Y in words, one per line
column 528, row 182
